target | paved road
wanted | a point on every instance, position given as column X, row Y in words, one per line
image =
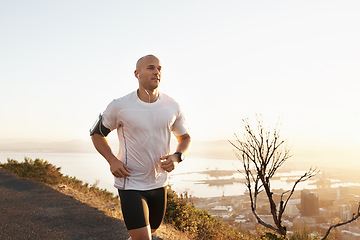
column 31, row 210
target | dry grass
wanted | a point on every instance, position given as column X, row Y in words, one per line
column 166, row 231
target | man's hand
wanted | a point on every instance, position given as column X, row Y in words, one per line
column 119, row 169
column 169, row 162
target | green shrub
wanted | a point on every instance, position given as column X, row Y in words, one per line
column 199, row 223
column 42, row 171
column 37, row 169
column 271, row 236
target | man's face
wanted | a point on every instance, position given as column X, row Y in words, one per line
column 149, row 72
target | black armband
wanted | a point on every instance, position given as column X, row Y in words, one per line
column 99, row 128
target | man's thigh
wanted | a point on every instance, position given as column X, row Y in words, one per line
column 156, row 201
column 143, row 208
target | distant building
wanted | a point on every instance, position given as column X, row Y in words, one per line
column 343, row 192
column 291, row 210
column 240, row 219
column 345, row 212
column 222, row 208
column 309, row 203
column 221, row 211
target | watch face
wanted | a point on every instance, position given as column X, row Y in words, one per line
column 182, row 157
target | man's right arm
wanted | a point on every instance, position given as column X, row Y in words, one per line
column 117, row 167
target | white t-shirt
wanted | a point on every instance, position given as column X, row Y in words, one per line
column 144, row 131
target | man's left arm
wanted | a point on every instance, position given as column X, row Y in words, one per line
column 169, row 162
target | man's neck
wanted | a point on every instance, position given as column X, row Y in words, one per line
column 148, row 96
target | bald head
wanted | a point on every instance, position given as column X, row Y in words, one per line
column 148, row 72
column 143, row 59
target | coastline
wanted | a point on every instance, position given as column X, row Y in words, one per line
column 198, row 177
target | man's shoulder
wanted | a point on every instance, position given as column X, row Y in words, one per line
column 121, row 102
column 125, row 98
column 167, row 98
column 170, row 103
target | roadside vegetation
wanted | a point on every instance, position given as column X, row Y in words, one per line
column 182, row 219
column 43, row 171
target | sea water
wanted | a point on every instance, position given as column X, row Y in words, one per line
column 198, row 177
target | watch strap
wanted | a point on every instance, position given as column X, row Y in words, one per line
column 181, row 156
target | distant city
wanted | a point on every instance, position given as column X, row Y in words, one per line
column 314, row 210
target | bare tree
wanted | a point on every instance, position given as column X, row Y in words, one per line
column 262, row 153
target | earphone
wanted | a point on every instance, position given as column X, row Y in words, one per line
column 148, row 95
column 138, row 75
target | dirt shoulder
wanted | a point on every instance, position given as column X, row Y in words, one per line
column 43, row 211
column 166, row 231
column 32, row 210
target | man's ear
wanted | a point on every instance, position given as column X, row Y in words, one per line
column 136, row 74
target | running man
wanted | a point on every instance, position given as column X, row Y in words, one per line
column 144, row 120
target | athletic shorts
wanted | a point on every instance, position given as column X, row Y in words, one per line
column 143, row 208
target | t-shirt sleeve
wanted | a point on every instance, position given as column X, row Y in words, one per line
column 111, row 115
column 179, row 127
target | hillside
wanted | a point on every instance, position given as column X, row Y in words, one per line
column 182, row 220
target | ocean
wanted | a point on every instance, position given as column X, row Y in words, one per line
column 199, row 177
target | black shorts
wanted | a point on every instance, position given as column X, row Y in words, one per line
column 142, row 208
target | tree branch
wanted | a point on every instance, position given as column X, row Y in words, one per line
column 355, row 216
column 309, row 174
column 264, row 223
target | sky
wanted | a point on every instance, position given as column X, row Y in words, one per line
column 293, row 62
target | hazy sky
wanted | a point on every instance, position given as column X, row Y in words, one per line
column 62, row 62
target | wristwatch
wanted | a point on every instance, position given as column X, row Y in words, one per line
column 181, row 156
